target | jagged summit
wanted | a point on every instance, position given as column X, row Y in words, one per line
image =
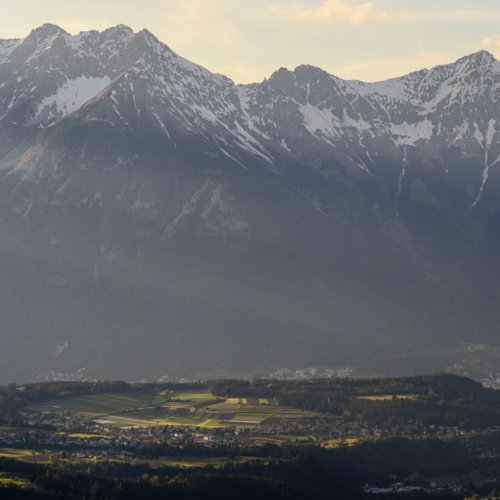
column 479, row 56
column 46, row 30
column 154, row 210
column 270, row 119
column 125, row 33
column 50, row 29
column 119, row 28
column 304, row 71
column 148, row 35
column 476, row 59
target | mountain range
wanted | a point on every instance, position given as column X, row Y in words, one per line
column 159, row 221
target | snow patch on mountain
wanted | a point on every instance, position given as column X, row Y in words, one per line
column 70, row 96
column 318, row 120
column 6, row 49
column 490, row 134
column 392, row 89
column 42, row 39
column 306, row 113
column 408, row 134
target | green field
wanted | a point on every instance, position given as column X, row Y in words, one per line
column 336, row 443
column 253, row 413
column 387, row 397
column 15, row 453
column 24, row 455
column 189, row 409
column 199, row 397
column 98, row 404
column 190, row 462
column 11, row 481
column 80, row 435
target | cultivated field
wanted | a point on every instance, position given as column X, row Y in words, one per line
column 12, row 481
column 187, row 409
column 387, row 397
column 25, row 455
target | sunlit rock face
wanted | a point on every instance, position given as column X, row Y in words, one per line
column 157, row 219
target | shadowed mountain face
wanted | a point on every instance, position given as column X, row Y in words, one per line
column 157, row 219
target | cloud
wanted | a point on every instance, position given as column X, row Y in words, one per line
column 446, row 16
column 492, row 43
column 330, row 11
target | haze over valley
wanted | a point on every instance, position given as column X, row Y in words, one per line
column 158, row 221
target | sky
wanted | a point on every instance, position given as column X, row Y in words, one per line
column 248, row 40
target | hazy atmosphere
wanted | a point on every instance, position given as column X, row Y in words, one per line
column 247, row 41
column 250, row 250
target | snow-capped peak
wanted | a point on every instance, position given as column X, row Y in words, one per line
column 120, row 30
column 52, row 74
column 45, row 31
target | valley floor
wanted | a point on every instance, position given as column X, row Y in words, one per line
column 409, row 437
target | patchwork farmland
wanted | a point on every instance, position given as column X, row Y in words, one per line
column 170, row 408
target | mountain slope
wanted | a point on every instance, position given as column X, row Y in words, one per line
column 158, row 219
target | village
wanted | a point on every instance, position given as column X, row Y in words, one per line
column 151, row 429
column 81, row 436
